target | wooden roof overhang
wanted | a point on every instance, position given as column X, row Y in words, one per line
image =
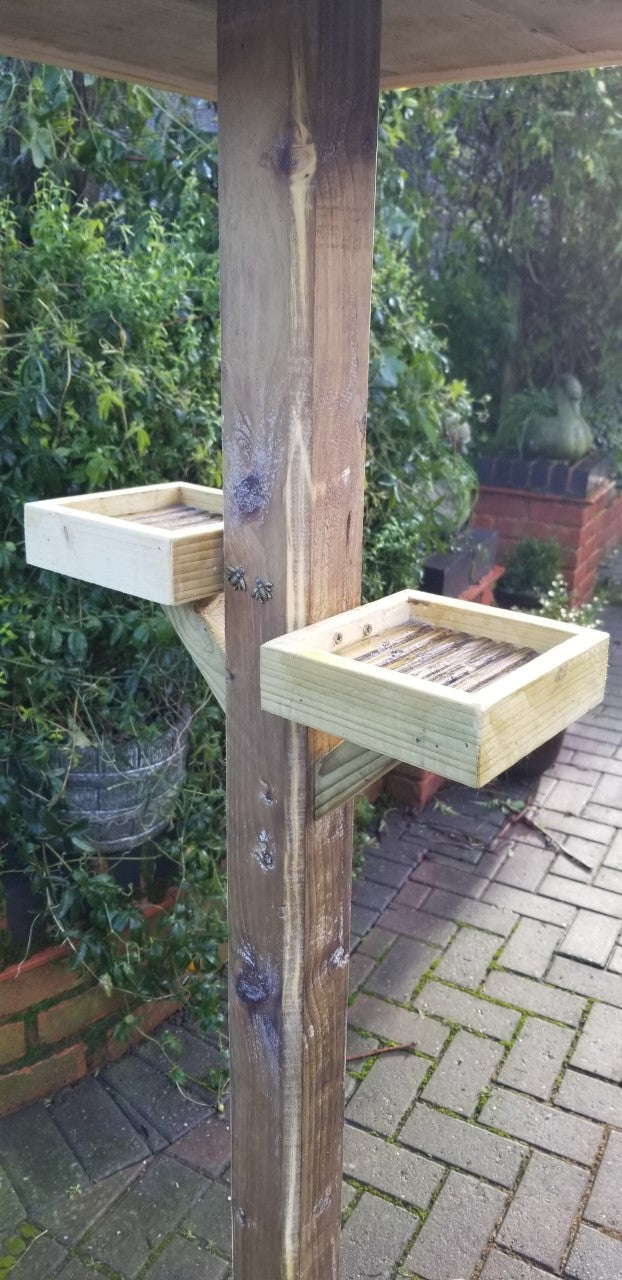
column 172, row 43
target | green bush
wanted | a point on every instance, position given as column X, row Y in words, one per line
column 108, row 377
column 420, row 489
column 531, row 567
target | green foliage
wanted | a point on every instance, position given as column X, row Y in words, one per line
column 109, row 366
column 109, row 376
column 420, row 490
column 555, row 604
column 532, row 566
column 102, row 383
column 523, row 230
column 126, row 142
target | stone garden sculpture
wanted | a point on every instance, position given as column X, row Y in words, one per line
column 565, row 434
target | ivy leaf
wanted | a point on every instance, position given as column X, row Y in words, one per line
column 77, row 645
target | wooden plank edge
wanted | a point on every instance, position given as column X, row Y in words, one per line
column 200, row 628
column 344, row 772
column 324, row 693
column 20, row 44
column 500, row 71
column 533, row 709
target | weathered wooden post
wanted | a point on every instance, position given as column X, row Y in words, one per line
column 298, row 102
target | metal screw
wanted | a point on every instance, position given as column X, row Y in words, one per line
column 337, row 638
column 367, row 629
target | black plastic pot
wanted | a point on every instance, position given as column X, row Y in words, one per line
column 516, row 599
column 451, row 573
column 538, row 760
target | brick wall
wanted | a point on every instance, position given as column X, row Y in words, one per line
column 585, row 528
column 56, row 1025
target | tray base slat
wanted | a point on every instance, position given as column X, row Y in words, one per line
column 440, row 655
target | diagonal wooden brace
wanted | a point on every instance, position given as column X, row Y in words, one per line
column 339, row 775
column 201, row 629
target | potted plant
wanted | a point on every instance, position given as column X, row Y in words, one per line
column 97, row 756
column 529, row 572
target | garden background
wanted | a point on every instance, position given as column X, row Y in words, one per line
column 497, row 267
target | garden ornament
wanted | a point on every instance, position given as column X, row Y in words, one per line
column 565, row 434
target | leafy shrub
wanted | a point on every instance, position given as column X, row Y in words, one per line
column 521, row 180
column 555, row 604
column 420, row 489
column 109, row 375
column 516, row 416
column 532, row 566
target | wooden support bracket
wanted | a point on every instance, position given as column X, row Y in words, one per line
column 346, row 771
column 201, row 628
column 339, row 775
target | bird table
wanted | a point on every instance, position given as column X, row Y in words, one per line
column 321, row 697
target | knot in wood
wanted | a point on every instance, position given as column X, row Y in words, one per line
column 297, row 155
column 250, row 494
column 253, row 987
column 255, row 984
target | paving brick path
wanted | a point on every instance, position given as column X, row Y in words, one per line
column 489, row 1147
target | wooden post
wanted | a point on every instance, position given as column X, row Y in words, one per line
column 298, row 100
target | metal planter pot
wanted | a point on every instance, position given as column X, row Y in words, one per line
column 124, row 794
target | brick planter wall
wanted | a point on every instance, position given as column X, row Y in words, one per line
column 585, row 528
column 56, row 1025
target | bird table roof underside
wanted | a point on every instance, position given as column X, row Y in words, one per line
column 172, row 43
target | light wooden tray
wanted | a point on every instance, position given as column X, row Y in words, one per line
column 162, row 542
column 458, row 688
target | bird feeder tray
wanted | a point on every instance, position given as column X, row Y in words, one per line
column 162, row 542
column 450, row 686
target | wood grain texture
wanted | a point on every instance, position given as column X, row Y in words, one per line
column 298, row 127
column 201, row 629
column 341, row 773
column 557, row 697
column 105, row 539
column 172, row 43
column 344, row 772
